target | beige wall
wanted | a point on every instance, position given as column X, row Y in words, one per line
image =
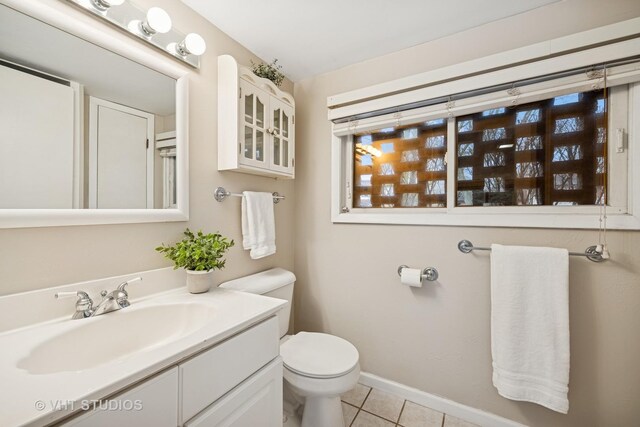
column 437, row 338
column 42, row 257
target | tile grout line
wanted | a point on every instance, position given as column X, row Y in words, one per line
column 360, row 407
column 401, row 410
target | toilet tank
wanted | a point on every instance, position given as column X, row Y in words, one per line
column 276, row 283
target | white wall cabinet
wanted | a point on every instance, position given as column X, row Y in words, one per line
column 235, row 383
column 256, row 123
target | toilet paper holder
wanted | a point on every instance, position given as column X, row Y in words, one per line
column 429, row 273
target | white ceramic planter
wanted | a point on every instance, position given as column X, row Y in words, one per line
column 199, row 281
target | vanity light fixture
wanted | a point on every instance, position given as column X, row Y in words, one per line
column 104, row 5
column 152, row 25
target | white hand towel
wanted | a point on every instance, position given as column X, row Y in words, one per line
column 530, row 324
column 258, row 224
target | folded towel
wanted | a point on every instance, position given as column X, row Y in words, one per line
column 530, row 324
column 258, row 224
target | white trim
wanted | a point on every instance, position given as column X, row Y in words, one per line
column 78, row 145
column 554, row 47
column 440, row 404
column 103, row 35
column 94, row 124
column 570, row 61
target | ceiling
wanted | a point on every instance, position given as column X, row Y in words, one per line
column 313, row 37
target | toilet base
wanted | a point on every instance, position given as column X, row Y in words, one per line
column 322, row 411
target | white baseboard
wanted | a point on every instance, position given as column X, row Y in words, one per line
column 467, row 413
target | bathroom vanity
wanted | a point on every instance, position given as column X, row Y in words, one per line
column 170, row 359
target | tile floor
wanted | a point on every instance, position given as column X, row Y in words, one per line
column 368, row 407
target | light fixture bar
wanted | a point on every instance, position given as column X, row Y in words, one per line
column 153, row 26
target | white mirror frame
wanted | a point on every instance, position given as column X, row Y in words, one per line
column 112, row 40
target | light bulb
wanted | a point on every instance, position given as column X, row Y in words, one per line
column 158, row 21
column 192, row 44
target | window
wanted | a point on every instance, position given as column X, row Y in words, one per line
column 545, row 155
column 549, row 152
column 408, row 170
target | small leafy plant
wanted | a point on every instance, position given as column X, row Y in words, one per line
column 269, row 71
column 198, row 252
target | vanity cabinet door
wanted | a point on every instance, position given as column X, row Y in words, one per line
column 152, row 403
column 210, row 375
column 254, row 121
column 255, row 402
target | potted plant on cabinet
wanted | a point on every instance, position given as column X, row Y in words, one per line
column 199, row 254
column 269, row 71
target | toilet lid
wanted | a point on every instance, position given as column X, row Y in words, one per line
column 318, row 355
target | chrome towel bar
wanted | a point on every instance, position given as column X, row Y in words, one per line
column 591, row 252
column 220, row 194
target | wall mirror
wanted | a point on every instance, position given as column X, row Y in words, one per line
column 94, row 129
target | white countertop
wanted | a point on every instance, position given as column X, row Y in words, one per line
column 21, row 392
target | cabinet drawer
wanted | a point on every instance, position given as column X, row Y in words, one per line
column 152, row 403
column 208, row 376
column 255, row 402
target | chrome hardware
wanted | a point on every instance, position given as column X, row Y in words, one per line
column 591, row 253
column 220, row 194
column 111, row 301
column 84, row 304
column 430, row 273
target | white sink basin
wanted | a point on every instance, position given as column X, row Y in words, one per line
column 114, row 336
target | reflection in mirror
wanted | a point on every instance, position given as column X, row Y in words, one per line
column 82, row 126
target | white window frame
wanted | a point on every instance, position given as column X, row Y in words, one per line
column 624, row 192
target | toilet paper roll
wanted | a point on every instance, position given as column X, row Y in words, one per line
column 411, row 277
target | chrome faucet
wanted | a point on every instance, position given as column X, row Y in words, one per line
column 111, row 301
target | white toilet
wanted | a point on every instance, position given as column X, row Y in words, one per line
column 318, row 368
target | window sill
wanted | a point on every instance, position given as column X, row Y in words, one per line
column 458, row 217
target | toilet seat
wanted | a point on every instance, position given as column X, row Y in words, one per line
column 317, row 355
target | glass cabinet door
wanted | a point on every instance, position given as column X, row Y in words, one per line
column 253, row 125
column 282, row 132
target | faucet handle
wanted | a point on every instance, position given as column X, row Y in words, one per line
column 121, row 294
column 84, row 304
column 121, row 286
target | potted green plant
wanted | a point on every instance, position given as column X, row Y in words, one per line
column 269, row 71
column 199, row 254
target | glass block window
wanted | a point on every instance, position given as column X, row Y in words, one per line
column 494, row 134
column 387, row 190
column 436, row 164
column 437, row 141
column 409, row 178
column 550, row 152
column 528, row 116
column 410, row 156
column 465, row 174
column 465, row 150
column 410, row 133
column 401, row 167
